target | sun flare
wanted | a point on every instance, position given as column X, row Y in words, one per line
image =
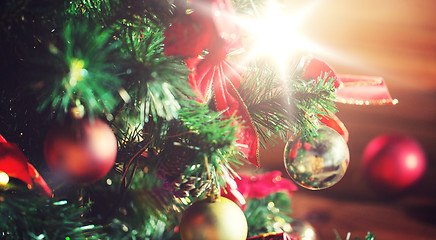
column 276, row 34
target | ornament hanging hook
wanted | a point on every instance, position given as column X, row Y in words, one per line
column 213, row 194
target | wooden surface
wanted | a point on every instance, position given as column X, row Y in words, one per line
column 406, row 219
column 396, row 40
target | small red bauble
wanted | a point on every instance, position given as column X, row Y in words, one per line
column 393, row 163
column 80, row 151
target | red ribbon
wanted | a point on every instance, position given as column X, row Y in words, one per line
column 213, row 77
column 14, row 164
column 350, row 89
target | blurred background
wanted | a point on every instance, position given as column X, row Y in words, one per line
column 395, row 40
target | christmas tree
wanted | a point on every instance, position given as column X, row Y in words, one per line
column 131, row 119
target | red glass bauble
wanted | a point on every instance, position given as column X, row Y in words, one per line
column 393, row 163
column 80, row 151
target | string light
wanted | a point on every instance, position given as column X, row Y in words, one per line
column 4, row 178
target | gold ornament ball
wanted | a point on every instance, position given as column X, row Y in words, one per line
column 221, row 219
column 320, row 163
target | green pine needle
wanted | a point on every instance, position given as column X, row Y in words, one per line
column 214, row 137
column 155, row 83
column 263, row 215
column 25, row 215
column 279, row 109
column 85, row 72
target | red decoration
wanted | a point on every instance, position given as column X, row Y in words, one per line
column 206, row 24
column 315, row 67
column 334, row 122
column 39, row 184
column 351, row 89
column 214, row 78
column 274, row 236
column 258, row 186
column 188, row 35
column 80, row 151
column 393, row 163
column 14, row 164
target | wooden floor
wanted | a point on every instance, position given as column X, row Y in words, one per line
column 411, row 219
column 396, row 40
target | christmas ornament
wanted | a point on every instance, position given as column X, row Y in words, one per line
column 332, row 121
column 80, row 151
column 317, row 164
column 219, row 219
column 393, row 163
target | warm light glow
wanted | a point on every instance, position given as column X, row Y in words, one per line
column 301, row 168
column 308, row 234
column 276, row 34
column 411, row 161
column 77, row 71
column 4, row 178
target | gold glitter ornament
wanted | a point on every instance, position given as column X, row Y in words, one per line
column 319, row 163
column 213, row 219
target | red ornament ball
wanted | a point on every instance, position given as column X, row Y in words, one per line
column 80, row 151
column 393, row 163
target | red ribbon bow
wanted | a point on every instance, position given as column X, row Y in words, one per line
column 213, row 77
column 351, row 89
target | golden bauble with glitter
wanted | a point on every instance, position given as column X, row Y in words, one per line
column 319, row 163
column 213, row 219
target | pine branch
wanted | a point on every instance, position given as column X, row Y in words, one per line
column 266, row 103
column 279, row 109
column 269, row 214
column 138, row 212
column 25, row 215
column 109, row 13
column 84, row 73
column 156, row 84
column 213, row 137
column 196, row 134
column 313, row 99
